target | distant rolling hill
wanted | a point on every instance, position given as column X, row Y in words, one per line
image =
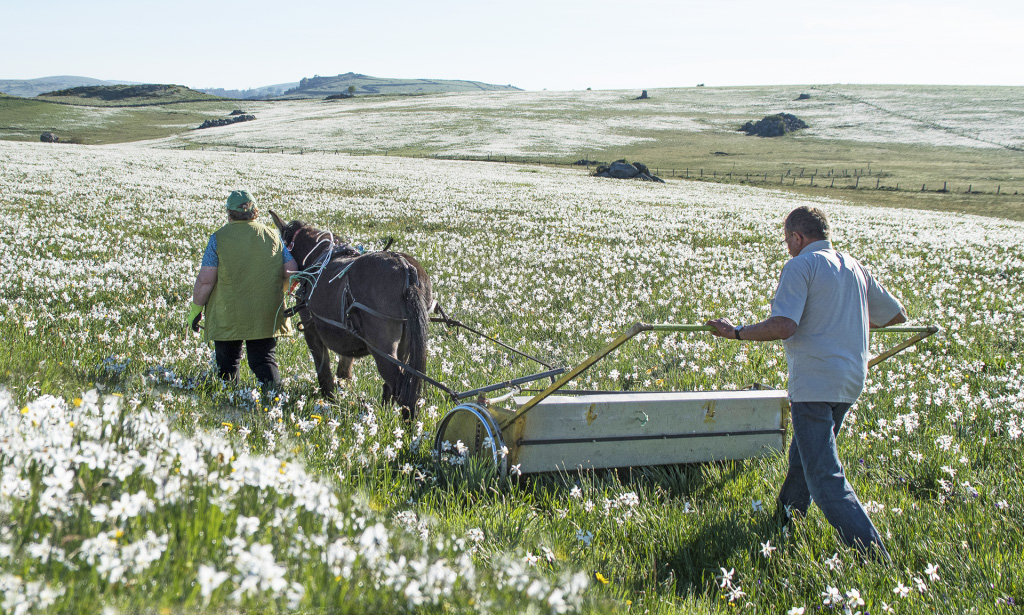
column 320, row 87
column 126, row 95
column 27, row 88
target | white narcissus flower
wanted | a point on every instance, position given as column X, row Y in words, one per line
column 210, row 579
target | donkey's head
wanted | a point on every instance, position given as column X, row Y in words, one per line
column 305, row 243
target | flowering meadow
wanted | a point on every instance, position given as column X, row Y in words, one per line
column 132, row 480
column 555, row 125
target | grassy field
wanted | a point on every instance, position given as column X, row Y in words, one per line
column 24, row 119
column 132, row 480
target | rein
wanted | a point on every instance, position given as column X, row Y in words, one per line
column 309, row 279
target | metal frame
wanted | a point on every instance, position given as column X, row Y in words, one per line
column 640, row 327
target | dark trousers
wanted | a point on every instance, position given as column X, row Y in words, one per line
column 262, row 360
column 815, row 472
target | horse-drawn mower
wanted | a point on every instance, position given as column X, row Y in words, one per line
column 377, row 303
column 559, row 429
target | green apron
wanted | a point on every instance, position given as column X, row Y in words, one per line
column 247, row 303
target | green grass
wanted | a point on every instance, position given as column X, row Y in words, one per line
column 24, row 119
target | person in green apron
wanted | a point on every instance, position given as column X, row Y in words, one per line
column 240, row 288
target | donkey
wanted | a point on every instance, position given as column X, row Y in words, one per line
column 356, row 304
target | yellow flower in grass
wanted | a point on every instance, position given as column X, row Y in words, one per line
column 600, row 577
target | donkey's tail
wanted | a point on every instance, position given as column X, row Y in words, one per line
column 417, row 297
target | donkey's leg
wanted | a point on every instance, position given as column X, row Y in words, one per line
column 321, row 358
column 390, row 373
column 345, row 367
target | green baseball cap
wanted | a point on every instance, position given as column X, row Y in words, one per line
column 239, row 200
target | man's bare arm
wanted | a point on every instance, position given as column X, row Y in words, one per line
column 897, row 319
column 774, row 328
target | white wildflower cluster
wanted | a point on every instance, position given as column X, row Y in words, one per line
column 732, row 590
column 21, row 598
column 624, row 505
column 72, row 446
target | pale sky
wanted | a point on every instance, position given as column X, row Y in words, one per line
column 532, row 44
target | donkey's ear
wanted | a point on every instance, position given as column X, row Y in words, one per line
column 278, row 222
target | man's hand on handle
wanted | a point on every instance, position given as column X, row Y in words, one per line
column 723, row 328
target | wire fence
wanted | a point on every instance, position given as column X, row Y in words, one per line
column 859, row 178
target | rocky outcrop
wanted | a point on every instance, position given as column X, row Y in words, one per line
column 620, row 169
column 49, row 137
column 642, row 96
column 804, row 96
column 227, row 121
column 774, row 125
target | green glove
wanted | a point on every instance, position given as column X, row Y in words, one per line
column 192, row 320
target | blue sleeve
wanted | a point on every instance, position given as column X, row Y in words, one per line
column 287, row 255
column 210, row 258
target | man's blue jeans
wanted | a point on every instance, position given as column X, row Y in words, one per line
column 815, row 472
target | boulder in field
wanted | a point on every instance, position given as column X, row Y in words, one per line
column 226, row 121
column 49, row 137
column 774, row 125
column 620, row 169
column 623, row 170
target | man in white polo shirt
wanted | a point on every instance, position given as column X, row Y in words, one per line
column 824, row 305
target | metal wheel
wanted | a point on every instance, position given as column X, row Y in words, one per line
column 473, row 426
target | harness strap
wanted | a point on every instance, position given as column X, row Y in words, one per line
column 369, row 310
column 378, row 352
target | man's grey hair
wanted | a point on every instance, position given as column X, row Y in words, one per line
column 810, row 222
column 241, row 215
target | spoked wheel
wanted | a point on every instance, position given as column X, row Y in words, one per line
column 473, row 426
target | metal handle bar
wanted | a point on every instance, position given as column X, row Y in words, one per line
column 640, row 327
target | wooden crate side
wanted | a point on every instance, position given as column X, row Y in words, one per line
column 603, row 416
column 598, row 455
